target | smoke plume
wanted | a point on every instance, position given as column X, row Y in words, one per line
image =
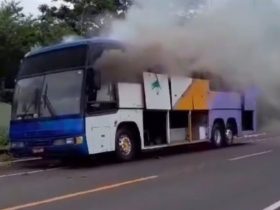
column 238, row 40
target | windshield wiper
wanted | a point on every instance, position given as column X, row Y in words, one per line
column 47, row 103
column 34, row 103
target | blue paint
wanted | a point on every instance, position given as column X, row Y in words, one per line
column 47, row 128
column 53, row 151
column 42, row 133
column 76, row 43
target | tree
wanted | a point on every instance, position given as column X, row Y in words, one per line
column 49, row 30
column 20, row 33
column 16, row 36
column 85, row 17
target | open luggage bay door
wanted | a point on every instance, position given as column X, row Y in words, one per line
column 157, row 92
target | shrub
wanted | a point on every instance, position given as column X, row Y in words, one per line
column 3, row 137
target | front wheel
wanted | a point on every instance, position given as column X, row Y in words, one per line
column 125, row 144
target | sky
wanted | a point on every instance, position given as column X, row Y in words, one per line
column 31, row 6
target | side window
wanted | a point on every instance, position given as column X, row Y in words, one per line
column 103, row 58
column 103, row 100
column 106, row 93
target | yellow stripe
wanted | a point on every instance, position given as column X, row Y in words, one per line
column 68, row 196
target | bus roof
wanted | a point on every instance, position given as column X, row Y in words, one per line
column 77, row 43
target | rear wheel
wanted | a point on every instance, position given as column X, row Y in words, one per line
column 218, row 135
column 229, row 136
column 126, row 147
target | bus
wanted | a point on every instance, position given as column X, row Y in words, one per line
column 61, row 107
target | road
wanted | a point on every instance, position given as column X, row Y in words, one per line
column 242, row 177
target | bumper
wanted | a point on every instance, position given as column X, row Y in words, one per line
column 51, row 151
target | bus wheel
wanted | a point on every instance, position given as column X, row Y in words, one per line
column 125, row 144
column 217, row 136
column 229, row 137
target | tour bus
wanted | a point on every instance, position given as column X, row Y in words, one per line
column 62, row 108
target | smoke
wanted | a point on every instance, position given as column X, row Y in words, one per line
column 238, row 40
column 70, row 38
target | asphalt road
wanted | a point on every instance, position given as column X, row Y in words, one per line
column 242, row 177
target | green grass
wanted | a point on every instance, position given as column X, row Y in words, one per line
column 5, row 157
column 5, row 116
column 3, row 137
column 5, row 113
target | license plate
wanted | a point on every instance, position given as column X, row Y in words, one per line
column 38, row 150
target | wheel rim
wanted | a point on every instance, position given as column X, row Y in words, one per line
column 229, row 136
column 218, row 137
column 125, row 145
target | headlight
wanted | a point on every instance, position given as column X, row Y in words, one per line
column 70, row 141
column 17, row 145
column 59, row 142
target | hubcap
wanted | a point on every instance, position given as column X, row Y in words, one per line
column 229, row 135
column 218, row 137
column 125, row 145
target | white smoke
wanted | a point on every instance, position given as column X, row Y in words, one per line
column 238, row 40
column 70, row 38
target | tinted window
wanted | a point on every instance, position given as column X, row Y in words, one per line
column 27, row 95
column 62, row 94
column 54, row 60
column 51, row 95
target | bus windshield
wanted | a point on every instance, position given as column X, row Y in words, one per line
column 50, row 95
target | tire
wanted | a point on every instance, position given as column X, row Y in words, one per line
column 217, row 135
column 229, row 136
column 126, row 147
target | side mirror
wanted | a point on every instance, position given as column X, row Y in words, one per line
column 94, row 78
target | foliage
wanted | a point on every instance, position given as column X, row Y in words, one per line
column 85, row 17
column 20, row 33
column 16, row 36
column 3, row 137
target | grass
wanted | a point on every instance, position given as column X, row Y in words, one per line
column 5, row 113
column 5, row 157
column 3, row 138
column 4, row 154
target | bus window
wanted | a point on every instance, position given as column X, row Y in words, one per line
column 69, row 58
column 102, row 100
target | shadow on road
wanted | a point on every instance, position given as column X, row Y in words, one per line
column 110, row 159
